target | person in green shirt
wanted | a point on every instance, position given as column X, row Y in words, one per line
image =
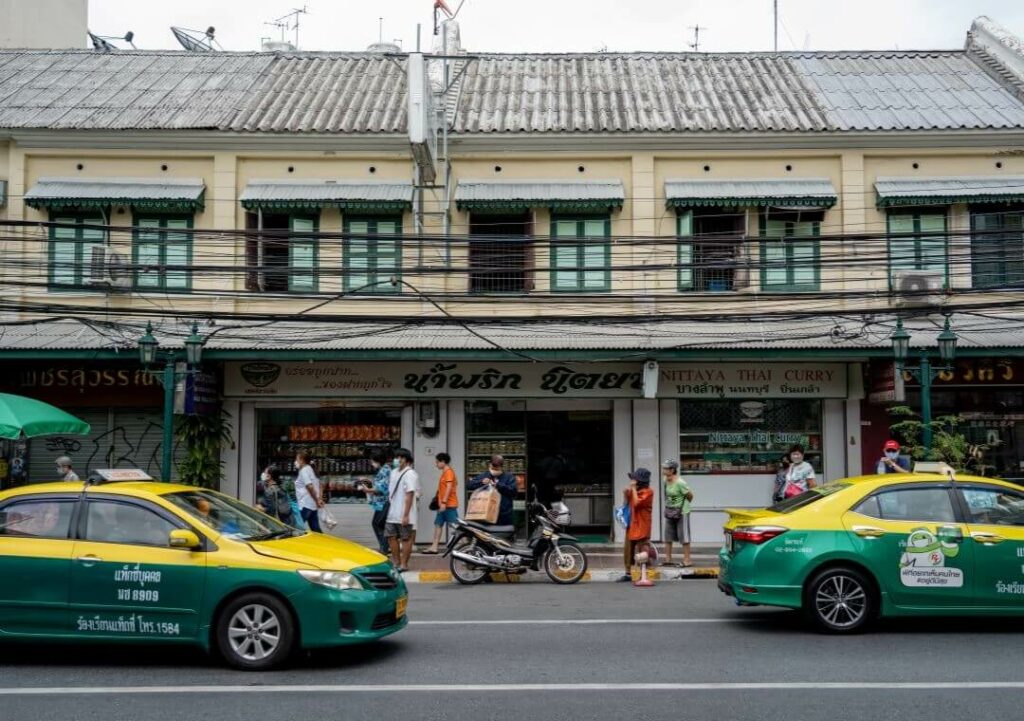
column 677, row 511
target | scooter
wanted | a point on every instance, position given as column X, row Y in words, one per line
column 477, row 549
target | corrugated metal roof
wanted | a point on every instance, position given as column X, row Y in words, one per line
column 921, row 190
column 506, row 93
column 326, row 192
column 840, row 333
column 760, row 191
column 117, row 189
column 539, row 190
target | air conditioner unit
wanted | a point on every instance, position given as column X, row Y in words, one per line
column 104, row 267
column 919, row 287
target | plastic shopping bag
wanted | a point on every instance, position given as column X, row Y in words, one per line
column 327, row 521
column 623, row 515
column 297, row 521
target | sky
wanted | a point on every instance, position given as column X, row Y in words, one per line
column 568, row 25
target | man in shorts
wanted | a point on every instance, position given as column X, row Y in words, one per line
column 399, row 527
column 677, row 511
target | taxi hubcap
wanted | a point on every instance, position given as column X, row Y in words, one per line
column 841, row 601
column 254, row 632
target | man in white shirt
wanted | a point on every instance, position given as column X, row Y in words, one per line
column 64, row 469
column 307, row 492
column 401, row 520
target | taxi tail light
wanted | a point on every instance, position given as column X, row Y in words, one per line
column 756, row 534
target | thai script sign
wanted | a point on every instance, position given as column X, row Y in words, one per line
column 753, row 380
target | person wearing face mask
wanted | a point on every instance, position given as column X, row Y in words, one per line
column 891, row 461
column 505, row 483
column 65, row 471
column 800, row 475
column 275, row 501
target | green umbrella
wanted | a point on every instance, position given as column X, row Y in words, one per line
column 26, row 416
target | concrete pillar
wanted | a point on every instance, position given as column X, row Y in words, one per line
column 622, row 441
column 646, row 446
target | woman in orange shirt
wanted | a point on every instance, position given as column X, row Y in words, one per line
column 447, row 499
column 640, row 498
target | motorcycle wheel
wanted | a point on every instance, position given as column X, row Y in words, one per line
column 570, row 568
column 463, row 572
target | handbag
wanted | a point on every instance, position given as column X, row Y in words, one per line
column 434, row 505
column 673, row 514
column 792, row 490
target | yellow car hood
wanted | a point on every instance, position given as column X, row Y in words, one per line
column 317, row 550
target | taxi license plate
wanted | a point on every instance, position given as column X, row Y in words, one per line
column 400, row 606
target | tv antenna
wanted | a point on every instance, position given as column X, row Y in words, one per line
column 197, row 41
column 696, row 37
column 103, row 44
column 289, row 21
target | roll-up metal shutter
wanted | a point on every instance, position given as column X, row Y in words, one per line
column 138, row 441
column 86, row 452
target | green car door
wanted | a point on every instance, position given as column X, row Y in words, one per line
column 35, row 564
column 911, row 539
column 995, row 517
column 126, row 579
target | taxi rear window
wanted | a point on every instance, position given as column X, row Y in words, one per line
column 807, row 497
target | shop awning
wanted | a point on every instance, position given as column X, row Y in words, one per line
column 896, row 192
column 497, row 196
column 166, row 195
column 782, row 192
column 362, row 196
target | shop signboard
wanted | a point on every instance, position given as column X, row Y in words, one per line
column 83, row 384
column 264, row 379
column 197, row 396
column 885, row 384
column 978, row 372
column 753, row 380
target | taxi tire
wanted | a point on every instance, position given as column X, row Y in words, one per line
column 854, row 583
column 287, row 635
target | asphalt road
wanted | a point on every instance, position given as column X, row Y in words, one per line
column 597, row 651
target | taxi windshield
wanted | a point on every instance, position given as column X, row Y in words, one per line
column 229, row 516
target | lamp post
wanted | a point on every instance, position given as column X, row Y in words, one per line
column 924, row 372
column 149, row 353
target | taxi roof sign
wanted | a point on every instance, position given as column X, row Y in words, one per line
column 935, row 467
column 112, row 475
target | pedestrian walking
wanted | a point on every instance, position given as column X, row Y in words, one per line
column 307, row 491
column 800, row 475
column 678, row 496
column 399, row 529
column 377, row 494
column 781, row 469
column 65, row 471
column 275, row 500
column 640, row 499
column 891, row 460
column 446, row 501
column 505, row 483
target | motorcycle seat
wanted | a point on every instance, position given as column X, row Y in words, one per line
column 496, row 530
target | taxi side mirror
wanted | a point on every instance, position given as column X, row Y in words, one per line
column 183, row 538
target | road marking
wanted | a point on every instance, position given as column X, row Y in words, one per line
column 518, row 687
column 576, row 621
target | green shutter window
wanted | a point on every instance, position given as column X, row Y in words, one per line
column 921, row 244
column 302, row 254
column 162, row 252
column 997, row 247
column 372, row 254
column 581, row 254
column 684, row 259
column 790, row 258
column 67, row 247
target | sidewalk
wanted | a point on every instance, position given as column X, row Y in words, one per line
column 604, row 565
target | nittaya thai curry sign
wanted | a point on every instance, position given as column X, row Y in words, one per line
column 328, row 379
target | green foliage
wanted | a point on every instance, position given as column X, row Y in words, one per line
column 203, row 438
column 949, row 444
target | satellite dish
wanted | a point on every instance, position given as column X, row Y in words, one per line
column 100, row 44
column 196, row 41
column 129, row 36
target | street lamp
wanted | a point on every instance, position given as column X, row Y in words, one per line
column 149, row 350
column 924, row 372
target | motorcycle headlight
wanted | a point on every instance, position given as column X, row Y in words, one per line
column 338, row 580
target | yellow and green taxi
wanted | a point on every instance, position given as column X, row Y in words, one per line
column 156, row 562
column 890, row 545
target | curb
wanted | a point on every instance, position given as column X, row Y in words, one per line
column 601, row 576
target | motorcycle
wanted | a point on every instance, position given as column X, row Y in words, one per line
column 477, row 549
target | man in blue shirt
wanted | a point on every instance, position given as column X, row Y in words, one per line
column 504, row 482
column 891, row 460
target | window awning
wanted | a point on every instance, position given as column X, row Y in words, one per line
column 782, row 192
column 166, row 195
column 519, row 195
column 312, row 195
column 896, row 192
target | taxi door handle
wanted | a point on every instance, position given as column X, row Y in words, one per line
column 989, row 539
column 868, row 531
column 88, row 560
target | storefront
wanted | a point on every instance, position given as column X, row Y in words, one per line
column 122, row 403
column 570, row 431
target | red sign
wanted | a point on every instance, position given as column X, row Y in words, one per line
column 979, row 372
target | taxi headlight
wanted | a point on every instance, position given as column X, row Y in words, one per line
column 338, row 580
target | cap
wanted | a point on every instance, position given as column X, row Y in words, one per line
column 497, row 461
column 670, row 463
column 641, row 475
column 891, row 446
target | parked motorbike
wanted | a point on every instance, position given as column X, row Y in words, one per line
column 477, row 549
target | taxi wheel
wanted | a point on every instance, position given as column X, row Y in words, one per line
column 839, row 600
column 255, row 632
